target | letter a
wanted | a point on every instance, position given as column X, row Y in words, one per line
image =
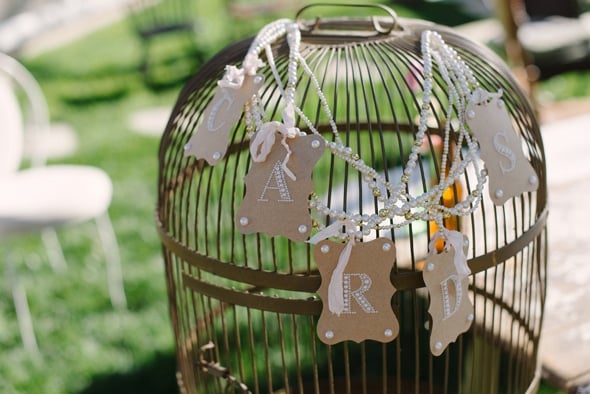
column 276, row 181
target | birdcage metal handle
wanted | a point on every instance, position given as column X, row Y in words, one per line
column 376, row 24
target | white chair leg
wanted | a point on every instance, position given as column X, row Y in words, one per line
column 54, row 250
column 113, row 261
column 23, row 313
column 25, row 321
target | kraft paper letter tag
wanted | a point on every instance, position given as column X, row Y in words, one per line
column 210, row 139
column 450, row 308
column 510, row 173
column 365, row 292
column 274, row 203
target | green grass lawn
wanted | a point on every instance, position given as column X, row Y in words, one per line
column 87, row 346
column 93, row 86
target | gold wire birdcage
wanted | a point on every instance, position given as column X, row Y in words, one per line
column 244, row 306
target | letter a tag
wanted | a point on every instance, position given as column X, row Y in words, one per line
column 274, row 203
column 510, row 173
column 364, row 292
column 210, row 140
column 450, row 308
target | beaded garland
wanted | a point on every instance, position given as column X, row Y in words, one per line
column 398, row 206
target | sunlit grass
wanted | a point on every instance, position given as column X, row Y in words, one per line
column 86, row 345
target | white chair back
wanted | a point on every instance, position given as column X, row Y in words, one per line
column 34, row 113
column 11, row 129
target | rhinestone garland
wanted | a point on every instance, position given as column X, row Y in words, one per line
column 396, row 201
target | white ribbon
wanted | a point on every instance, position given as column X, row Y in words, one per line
column 233, row 78
column 252, row 63
column 335, row 293
column 263, row 141
column 265, row 138
column 332, row 230
column 480, row 96
column 456, row 240
column 289, row 120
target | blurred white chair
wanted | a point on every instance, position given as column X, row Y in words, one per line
column 43, row 197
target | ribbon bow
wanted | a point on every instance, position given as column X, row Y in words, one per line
column 480, row 96
column 234, row 76
column 456, row 240
column 265, row 139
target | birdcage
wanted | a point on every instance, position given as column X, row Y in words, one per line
column 352, row 101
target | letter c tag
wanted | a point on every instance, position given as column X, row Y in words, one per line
column 210, row 139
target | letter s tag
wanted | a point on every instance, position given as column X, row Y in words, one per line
column 450, row 308
column 509, row 172
column 366, row 292
column 210, row 139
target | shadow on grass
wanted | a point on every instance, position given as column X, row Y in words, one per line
column 158, row 376
column 112, row 82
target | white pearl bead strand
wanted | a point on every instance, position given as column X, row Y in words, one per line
column 399, row 207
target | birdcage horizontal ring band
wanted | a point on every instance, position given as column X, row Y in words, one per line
column 309, row 306
column 310, row 283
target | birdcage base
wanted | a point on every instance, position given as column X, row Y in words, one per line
column 370, row 385
column 483, row 357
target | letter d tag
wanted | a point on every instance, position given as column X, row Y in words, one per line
column 366, row 292
column 210, row 139
column 510, row 173
column 450, row 309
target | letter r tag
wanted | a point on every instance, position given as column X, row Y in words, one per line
column 366, row 292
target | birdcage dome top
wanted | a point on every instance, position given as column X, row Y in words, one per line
column 370, row 76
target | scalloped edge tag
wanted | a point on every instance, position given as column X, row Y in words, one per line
column 274, row 203
column 210, row 139
column 509, row 172
column 367, row 292
column 450, row 308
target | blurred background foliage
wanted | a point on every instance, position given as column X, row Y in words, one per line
column 94, row 83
